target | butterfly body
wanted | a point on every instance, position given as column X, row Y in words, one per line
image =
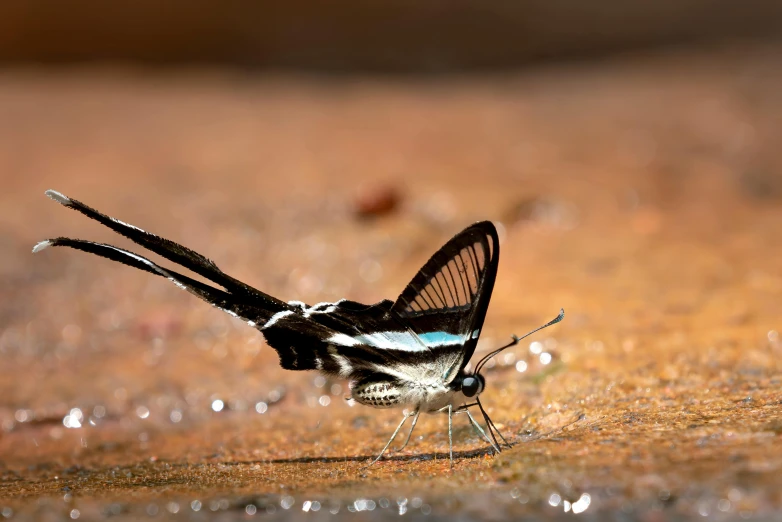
column 391, row 367
column 416, row 390
column 410, row 353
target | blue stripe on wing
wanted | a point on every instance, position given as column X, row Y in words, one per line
column 403, row 341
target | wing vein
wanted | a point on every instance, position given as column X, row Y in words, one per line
column 461, row 276
column 449, row 285
column 427, row 298
column 439, row 295
column 474, row 258
column 436, row 281
column 453, row 281
column 438, row 303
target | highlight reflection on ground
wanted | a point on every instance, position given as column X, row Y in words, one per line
column 643, row 196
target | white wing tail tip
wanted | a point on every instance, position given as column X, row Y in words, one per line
column 42, row 245
column 58, row 197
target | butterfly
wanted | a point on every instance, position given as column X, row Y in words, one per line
column 411, row 353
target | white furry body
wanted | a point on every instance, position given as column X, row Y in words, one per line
column 424, row 388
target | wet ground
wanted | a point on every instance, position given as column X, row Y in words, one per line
column 642, row 194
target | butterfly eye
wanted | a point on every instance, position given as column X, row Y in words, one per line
column 470, row 386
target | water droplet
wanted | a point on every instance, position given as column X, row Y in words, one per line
column 402, row 503
column 261, row 407
column 363, row 504
column 554, row 500
column 580, row 505
column 142, row 412
column 73, row 419
column 521, row 366
column 545, row 358
column 217, row 405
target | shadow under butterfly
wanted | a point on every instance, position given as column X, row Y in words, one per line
column 412, row 352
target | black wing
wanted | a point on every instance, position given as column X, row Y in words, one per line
column 428, row 334
column 442, row 309
column 448, row 298
column 237, row 298
column 340, row 338
column 305, row 337
column 168, row 249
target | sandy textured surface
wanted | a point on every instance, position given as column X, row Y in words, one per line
column 643, row 195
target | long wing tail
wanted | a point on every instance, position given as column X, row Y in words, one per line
column 237, row 299
column 169, row 249
column 238, row 306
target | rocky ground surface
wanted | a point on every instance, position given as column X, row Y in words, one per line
column 642, row 194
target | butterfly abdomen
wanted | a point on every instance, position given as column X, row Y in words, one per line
column 379, row 394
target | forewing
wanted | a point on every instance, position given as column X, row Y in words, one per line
column 445, row 303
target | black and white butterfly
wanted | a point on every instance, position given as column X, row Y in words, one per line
column 411, row 353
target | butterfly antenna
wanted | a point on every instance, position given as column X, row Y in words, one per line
column 516, row 340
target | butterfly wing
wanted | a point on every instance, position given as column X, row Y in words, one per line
column 434, row 323
column 341, row 338
column 426, row 335
column 445, row 304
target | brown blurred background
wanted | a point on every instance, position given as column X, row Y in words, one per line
column 382, row 36
column 628, row 152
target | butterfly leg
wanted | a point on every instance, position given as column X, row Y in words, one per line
column 450, row 433
column 415, row 420
column 492, row 426
column 480, row 430
column 449, row 408
column 396, row 431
